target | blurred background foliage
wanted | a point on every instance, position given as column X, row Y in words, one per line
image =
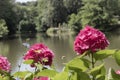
column 40, row 15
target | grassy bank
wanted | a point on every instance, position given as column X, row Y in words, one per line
column 59, row 31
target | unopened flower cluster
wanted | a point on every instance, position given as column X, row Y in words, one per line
column 39, row 53
column 90, row 39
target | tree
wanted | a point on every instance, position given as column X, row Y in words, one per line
column 113, row 6
column 44, row 15
column 97, row 13
column 51, row 13
column 7, row 13
column 3, row 28
column 72, row 5
column 26, row 13
column 59, row 12
column 74, row 22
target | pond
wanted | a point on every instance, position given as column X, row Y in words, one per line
column 61, row 45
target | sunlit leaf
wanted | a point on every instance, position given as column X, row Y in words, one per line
column 73, row 76
column 61, row 76
column 29, row 76
column 102, row 54
column 81, row 64
column 117, row 57
column 21, row 74
column 28, row 62
column 39, row 66
column 46, row 72
column 100, row 77
column 7, row 78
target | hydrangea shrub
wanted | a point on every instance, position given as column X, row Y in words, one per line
column 82, row 67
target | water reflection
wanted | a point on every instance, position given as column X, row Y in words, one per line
column 114, row 41
column 62, row 46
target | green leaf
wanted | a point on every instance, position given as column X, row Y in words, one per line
column 1, row 78
column 7, row 75
column 98, row 70
column 100, row 77
column 117, row 57
column 79, row 75
column 77, row 63
column 21, row 74
column 102, row 54
column 29, row 76
column 61, row 76
column 46, row 72
column 83, row 76
column 73, row 76
column 30, row 61
column 4, row 72
column 39, row 66
column 114, row 75
column 6, row 78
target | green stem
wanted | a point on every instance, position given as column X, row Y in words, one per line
column 93, row 64
column 35, row 69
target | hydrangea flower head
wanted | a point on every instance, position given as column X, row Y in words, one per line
column 4, row 64
column 90, row 39
column 118, row 72
column 39, row 53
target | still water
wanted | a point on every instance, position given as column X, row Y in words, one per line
column 61, row 45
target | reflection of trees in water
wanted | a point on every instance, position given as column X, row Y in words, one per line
column 13, row 49
column 61, row 45
column 114, row 42
column 4, row 48
column 28, row 35
column 114, row 38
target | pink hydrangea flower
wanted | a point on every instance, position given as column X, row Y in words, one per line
column 4, row 64
column 90, row 39
column 39, row 53
column 118, row 72
column 42, row 78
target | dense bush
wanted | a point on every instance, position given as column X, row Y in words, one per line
column 26, row 26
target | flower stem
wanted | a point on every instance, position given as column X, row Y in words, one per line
column 93, row 64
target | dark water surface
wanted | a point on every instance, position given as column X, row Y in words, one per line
column 61, row 45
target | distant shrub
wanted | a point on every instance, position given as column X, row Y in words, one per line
column 3, row 28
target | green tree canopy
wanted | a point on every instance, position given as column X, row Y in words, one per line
column 7, row 13
column 3, row 28
column 72, row 5
column 51, row 13
column 26, row 13
column 97, row 13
